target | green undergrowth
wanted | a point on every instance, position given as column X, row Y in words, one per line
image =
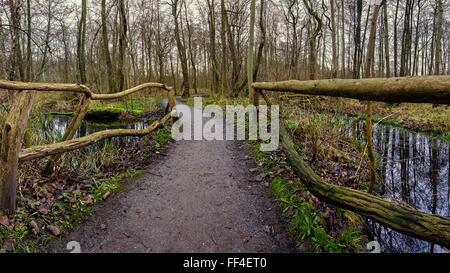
column 220, row 101
column 306, row 218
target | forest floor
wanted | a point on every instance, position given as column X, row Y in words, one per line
column 203, row 196
column 229, row 200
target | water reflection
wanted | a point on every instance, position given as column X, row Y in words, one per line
column 415, row 167
column 54, row 127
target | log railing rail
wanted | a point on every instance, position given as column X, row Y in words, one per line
column 11, row 152
column 436, row 90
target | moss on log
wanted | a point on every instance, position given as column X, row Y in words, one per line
column 433, row 89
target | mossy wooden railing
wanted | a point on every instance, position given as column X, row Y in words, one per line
column 23, row 95
column 436, row 90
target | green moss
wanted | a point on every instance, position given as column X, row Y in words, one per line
column 138, row 107
column 103, row 112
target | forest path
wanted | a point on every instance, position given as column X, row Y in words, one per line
column 199, row 198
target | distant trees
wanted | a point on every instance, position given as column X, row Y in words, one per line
column 205, row 44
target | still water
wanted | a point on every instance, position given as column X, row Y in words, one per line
column 415, row 167
column 53, row 128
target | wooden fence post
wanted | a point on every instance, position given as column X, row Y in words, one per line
column 12, row 137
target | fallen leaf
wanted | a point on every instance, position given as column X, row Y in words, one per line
column 43, row 211
column 35, row 226
column 103, row 226
column 258, row 178
column 9, row 244
column 55, row 230
column 4, row 221
column 89, row 200
column 106, row 195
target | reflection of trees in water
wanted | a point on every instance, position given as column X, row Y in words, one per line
column 434, row 179
column 414, row 166
column 57, row 125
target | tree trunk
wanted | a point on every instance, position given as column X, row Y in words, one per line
column 356, row 59
column 122, row 45
column 212, row 46
column 16, row 54
column 335, row 68
column 47, row 42
column 81, row 43
column 223, row 78
column 437, row 69
column 109, row 70
column 181, row 50
column 29, row 71
column 431, row 89
column 386, row 40
column 250, row 48
column 312, row 41
column 396, row 39
column 191, row 54
column 343, row 40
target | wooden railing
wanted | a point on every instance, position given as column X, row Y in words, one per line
column 11, row 152
column 436, row 90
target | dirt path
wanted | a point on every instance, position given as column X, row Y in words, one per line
column 200, row 198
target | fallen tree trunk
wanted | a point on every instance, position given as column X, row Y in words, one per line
column 434, row 89
column 424, row 226
column 71, row 145
column 77, row 88
column 45, row 87
column 129, row 91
